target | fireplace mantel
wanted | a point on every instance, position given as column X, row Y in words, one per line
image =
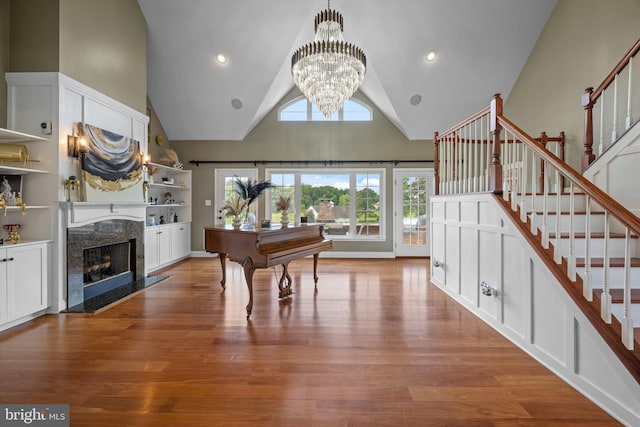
column 83, row 213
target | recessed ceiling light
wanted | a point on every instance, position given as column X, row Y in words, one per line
column 221, row 58
column 430, row 55
column 236, row 103
column 415, row 99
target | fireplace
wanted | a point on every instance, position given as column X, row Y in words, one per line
column 103, row 257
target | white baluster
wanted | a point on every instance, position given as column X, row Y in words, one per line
column 587, row 289
column 522, row 174
column 572, row 234
column 545, row 209
column 557, row 254
column 601, row 136
column 534, row 160
column 614, row 133
column 476, row 157
column 628, row 120
column 627, row 320
column 605, row 297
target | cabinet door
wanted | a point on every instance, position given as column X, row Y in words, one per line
column 3, row 286
column 151, row 248
column 26, row 280
column 164, row 245
column 180, row 240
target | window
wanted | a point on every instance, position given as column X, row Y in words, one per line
column 348, row 203
column 301, row 110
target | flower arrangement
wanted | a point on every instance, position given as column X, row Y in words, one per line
column 251, row 190
column 283, row 203
column 283, row 206
column 152, row 170
column 234, row 208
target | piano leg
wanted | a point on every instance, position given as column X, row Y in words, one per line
column 223, row 259
column 315, row 270
column 285, row 291
column 249, row 269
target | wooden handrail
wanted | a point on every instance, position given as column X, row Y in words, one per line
column 607, row 202
column 463, row 123
column 591, row 96
column 612, row 75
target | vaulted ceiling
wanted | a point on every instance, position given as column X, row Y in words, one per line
column 482, row 46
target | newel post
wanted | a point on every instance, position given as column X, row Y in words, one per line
column 543, row 141
column 587, row 104
column 436, row 163
column 495, row 173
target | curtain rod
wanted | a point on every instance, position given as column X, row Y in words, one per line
column 306, row 162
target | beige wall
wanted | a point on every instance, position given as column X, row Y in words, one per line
column 34, row 35
column 4, row 58
column 103, row 44
column 273, row 140
column 581, row 43
column 156, row 150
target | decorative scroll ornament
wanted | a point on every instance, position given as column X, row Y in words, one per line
column 328, row 71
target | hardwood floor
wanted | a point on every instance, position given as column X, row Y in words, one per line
column 375, row 345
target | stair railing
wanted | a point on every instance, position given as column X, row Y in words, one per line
column 487, row 152
column 617, row 96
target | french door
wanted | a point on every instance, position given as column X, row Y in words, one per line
column 412, row 189
column 224, row 189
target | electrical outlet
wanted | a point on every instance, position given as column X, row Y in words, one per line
column 207, row 202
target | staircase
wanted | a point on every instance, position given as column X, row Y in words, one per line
column 588, row 240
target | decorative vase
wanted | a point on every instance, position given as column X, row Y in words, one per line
column 250, row 220
column 284, row 219
column 237, row 222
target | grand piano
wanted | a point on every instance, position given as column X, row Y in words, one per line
column 264, row 248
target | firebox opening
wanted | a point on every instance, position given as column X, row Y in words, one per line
column 106, row 267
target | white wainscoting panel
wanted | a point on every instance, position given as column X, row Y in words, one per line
column 531, row 309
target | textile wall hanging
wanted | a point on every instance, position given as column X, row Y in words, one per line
column 111, row 166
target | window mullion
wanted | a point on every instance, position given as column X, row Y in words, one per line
column 353, row 215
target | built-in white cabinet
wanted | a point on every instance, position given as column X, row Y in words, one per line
column 168, row 231
column 180, row 241
column 166, row 244
column 23, row 283
column 157, row 247
column 23, row 207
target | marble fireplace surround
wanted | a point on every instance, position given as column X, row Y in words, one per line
column 91, row 224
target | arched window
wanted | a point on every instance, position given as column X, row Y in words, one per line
column 301, row 110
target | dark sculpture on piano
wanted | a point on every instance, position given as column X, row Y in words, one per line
column 263, row 248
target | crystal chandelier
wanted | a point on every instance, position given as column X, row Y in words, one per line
column 328, row 71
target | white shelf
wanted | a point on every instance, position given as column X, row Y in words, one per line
column 176, row 186
column 13, row 137
column 14, row 170
column 18, row 208
column 163, row 205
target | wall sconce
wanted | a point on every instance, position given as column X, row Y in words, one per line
column 76, row 146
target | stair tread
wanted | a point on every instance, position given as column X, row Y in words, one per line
column 617, row 295
column 613, row 262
